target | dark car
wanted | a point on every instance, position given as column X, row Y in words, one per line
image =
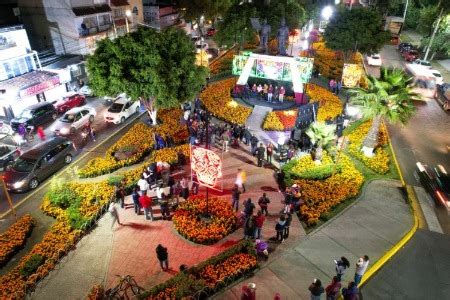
column 443, row 179
column 442, row 95
column 38, row 163
column 35, row 115
column 70, row 101
column 403, row 45
column 430, row 182
column 411, row 55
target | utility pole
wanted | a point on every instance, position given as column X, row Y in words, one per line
column 433, row 35
column 404, row 12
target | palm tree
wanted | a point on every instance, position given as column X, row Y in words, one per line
column 388, row 97
column 322, row 136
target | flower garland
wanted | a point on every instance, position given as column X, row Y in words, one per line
column 14, row 238
column 188, row 223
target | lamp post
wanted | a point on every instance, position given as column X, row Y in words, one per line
column 127, row 14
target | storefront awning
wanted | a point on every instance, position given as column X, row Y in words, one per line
column 30, row 83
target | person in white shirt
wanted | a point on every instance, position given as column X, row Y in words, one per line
column 159, row 192
column 143, row 184
column 361, row 267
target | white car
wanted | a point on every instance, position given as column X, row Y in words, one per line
column 438, row 76
column 73, row 120
column 422, row 63
column 374, row 60
column 121, row 110
column 85, row 90
column 201, row 46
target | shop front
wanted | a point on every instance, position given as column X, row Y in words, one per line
column 20, row 92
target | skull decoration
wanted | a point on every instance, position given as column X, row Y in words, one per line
column 206, row 165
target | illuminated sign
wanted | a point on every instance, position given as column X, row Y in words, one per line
column 351, row 74
column 40, row 87
column 206, row 166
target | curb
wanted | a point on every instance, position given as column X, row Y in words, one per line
column 412, row 199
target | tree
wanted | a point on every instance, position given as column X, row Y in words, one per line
column 357, row 29
column 322, row 136
column 156, row 67
column 441, row 44
column 193, row 10
column 427, row 16
column 387, row 98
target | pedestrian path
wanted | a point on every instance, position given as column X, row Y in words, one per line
column 377, row 221
column 255, row 121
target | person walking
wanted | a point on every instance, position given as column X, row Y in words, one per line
column 288, row 218
column 41, row 133
column 351, row 292
column 260, row 154
column 249, row 207
column 143, row 184
column 247, row 136
column 316, row 289
column 263, row 203
column 279, row 227
column 333, row 289
column 114, row 213
column 241, row 178
column 341, row 266
column 269, row 152
column 361, row 267
column 259, row 222
column 163, row 257
column 235, row 194
column 120, row 194
column 135, row 196
column 146, row 204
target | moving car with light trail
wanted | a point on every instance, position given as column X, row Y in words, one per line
column 73, row 120
column 434, row 181
column 121, row 110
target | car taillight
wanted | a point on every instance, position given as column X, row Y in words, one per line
column 441, row 197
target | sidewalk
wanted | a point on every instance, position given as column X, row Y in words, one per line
column 371, row 226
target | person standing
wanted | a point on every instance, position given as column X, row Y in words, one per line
column 264, row 203
column 176, row 191
column 247, row 136
column 265, row 90
column 120, row 194
column 341, row 266
column 40, row 133
column 164, row 206
column 184, row 188
column 235, row 194
column 361, row 267
column 163, row 257
column 249, row 227
column 146, row 204
column 279, row 227
column 316, row 289
column 135, row 197
column 338, row 87
column 281, row 94
column 260, row 154
column 351, row 292
column 269, row 152
column 259, row 222
column 226, row 140
column 113, row 211
column 287, row 225
column 143, row 184
column 241, row 177
column 270, row 93
column 254, row 144
column 249, row 207
column 275, row 94
column 332, row 290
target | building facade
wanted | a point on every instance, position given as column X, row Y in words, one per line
column 74, row 26
column 22, row 80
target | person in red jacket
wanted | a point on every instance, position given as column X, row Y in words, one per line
column 259, row 222
column 146, row 204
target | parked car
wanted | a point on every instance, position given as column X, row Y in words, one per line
column 5, row 128
column 211, row 31
column 411, row 55
column 85, row 90
column 121, row 110
column 70, row 101
column 37, row 164
column 403, row 45
column 374, row 60
column 74, row 119
column 8, row 154
column 443, row 179
column 430, row 183
column 422, row 62
column 442, row 95
column 35, row 115
column 438, row 75
column 201, row 46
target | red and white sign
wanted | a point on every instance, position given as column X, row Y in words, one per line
column 40, row 87
column 206, row 166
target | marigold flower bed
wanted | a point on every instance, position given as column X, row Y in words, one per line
column 329, row 104
column 208, row 276
column 188, row 223
column 217, row 100
column 280, row 120
column 14, row 238
column 322, row 195
column 380, row 161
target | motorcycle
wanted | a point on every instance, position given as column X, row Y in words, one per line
column 26, row 137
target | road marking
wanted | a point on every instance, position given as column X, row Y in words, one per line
column 3, row 215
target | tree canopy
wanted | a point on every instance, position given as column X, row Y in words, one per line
column 194, row 9
column 147, row 64
column 359, row 28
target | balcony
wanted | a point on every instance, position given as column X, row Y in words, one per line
column 89, row 31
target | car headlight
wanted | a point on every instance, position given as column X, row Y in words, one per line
column 64, row 130
column 18, row 184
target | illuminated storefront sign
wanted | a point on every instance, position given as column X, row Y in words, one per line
column 40, row 87
column 206, row 166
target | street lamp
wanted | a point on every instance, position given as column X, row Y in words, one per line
column 327, row 11
column 127, row 14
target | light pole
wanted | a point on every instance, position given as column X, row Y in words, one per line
column 127, row 14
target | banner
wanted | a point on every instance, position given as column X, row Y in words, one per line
column 206, row 167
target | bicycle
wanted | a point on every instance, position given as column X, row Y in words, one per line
column 121, row 290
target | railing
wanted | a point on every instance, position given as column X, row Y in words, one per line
column 94, row 30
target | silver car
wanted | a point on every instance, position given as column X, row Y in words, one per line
column 74, row 119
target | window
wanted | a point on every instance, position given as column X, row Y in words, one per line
column 8, row 70
column 118, row 13
column 85, row 112
column 78, row 117
column 127, row 105
column 104, row 19
column 30, row 63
